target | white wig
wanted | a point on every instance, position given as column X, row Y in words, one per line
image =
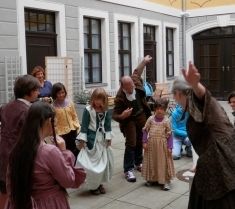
column 181, row 85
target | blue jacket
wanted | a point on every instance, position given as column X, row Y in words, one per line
column 179, row 126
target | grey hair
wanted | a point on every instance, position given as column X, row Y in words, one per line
column 181, row 85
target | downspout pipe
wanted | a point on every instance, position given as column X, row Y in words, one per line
column 184, row 33
column 184, row 15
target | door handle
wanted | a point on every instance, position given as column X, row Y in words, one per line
column 228, row 68
column 223, row 68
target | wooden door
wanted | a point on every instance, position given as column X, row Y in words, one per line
column 209, row 59
column 38, row 46
column 230, row 65
column 150, row 49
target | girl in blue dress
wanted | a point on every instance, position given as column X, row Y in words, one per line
column 96, row 155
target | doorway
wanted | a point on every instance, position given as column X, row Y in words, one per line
column 214, row 57
column 40, row 37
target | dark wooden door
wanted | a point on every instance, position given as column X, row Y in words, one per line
column 215, row 58
column 150, row 49
column 230, row 64
column 38, row 46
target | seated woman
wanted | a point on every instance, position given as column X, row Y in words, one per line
column 38, row 173
column 46, row 86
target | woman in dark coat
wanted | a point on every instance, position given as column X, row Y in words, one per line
column 212, row 136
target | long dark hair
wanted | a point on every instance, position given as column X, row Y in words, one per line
column 22, row 156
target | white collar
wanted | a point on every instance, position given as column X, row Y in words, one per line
column 25, row 101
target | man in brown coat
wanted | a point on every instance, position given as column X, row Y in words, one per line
column 131, row 111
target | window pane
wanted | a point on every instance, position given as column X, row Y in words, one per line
column 127, row 60
column 50, row 28
column 85, row 25
column 96, row 60
column 148, row 30
column 95, row 24
column 153, row 37
column 41, row 27
column 170, row 59
column 86, row 60
column 170, row 70
column 126, row 31
column 26, row 17
column 33, row 26
column 126, row 71
column 87, row 76
column 95, row 42
column 119, row 29
column 26, row 26
column 96, row 75
column 119, row 43
column 126, row 43
column 41, row 18
column 120, row 60
column 170, row 46
column 49, row 18
column 170, row 34
column 33, row 16
column 215, row 31
column 86, row 46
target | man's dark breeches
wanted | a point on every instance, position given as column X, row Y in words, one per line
column 133, row 131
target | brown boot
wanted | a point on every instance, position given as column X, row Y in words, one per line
column 101, row 189
column 95, row 192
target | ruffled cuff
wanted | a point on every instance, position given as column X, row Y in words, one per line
column 82, row 136
column 109, row 135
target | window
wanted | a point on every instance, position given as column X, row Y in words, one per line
column 39, row 21
column 149, row 33
column 169, row 52
column 124, row 48
column 92, row 50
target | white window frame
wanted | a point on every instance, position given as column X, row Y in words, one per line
column 59, row 10
column 105, row 47
column 134, row 42
column 175, row 28
column 158, row 37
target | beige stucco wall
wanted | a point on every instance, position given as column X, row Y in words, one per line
column 194, row 4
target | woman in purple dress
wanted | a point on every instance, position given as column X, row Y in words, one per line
column 38, row 173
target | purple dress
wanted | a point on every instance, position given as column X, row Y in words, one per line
column 53, row 170
column 12, row 116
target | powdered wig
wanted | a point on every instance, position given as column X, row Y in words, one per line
column 181, row 85
column 161, row 102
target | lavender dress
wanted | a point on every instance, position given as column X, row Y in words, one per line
column 53, row 170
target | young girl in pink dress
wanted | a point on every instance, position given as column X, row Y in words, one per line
column 38, row 173
column 157, row 141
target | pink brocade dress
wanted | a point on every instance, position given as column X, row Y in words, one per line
column 53, row 171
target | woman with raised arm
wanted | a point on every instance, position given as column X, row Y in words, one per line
column 212, row 136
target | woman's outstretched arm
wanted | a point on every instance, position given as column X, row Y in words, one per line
column 193, row 78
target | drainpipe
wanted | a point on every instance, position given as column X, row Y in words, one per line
column 184, row 15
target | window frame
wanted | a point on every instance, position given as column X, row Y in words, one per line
column 91, row 51
column 121, row 51
column 168, row 52
column 37, row 21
